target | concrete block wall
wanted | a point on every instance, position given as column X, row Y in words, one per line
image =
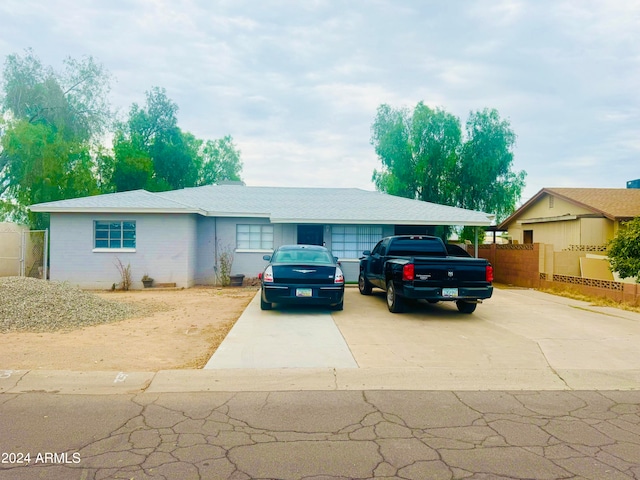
column 165, row 250
column 514, row 264
column 567, row 263
column 523, row 265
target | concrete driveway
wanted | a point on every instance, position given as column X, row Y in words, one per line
column 519, row 339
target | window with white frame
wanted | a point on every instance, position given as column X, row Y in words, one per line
column 254, row 237
column 349, row 241
column 114, row 234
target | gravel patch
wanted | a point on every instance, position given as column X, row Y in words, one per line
column 32, row 305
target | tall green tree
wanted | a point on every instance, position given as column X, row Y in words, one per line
column 132, row 167
column 147, row 146
column 418, row 151
column 219, row 160
column 486, row 178
column 48, row 168
column 425, row 156
column 152, row 152
column 52, row 128
column 53, row 122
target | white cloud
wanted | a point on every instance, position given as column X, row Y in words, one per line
column 297, row 84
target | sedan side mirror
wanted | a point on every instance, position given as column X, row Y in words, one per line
column 366, row 253
column 266, row 257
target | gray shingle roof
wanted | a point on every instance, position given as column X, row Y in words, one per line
column 132, row 201
column 279, row 204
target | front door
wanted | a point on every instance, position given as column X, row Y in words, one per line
column 528, row 236
column 310, row 234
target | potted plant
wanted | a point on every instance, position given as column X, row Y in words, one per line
column 147, row 281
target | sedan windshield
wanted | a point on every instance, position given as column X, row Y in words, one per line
column 316, row 257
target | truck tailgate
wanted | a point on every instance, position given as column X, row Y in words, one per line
column 450, row 272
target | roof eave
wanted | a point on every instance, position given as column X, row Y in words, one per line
column 504, row 225
column 374, row 221
column 112, row 210
column 237, row 214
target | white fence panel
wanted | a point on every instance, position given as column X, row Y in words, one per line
column 24, row 253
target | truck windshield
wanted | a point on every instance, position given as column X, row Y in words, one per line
column 418, row 247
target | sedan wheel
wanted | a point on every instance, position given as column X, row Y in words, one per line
column 394, row 302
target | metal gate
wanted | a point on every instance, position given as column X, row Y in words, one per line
column 24, row 253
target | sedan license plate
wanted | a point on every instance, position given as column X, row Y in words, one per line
column 449, row 292
column 304, row 292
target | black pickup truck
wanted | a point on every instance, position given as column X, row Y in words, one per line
column 423, row 267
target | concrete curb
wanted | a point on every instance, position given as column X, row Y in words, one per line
column 325, row 379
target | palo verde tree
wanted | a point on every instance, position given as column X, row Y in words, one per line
column 51, row 124
column 624, row 250
column 425, row 156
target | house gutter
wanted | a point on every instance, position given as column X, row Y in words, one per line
column 383, row 221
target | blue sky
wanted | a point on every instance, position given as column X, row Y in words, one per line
column 297, row 83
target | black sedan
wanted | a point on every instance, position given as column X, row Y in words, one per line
column 302, row 274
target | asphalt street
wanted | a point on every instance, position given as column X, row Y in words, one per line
column 322, row 435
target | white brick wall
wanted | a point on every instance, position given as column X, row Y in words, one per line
column 165, row 249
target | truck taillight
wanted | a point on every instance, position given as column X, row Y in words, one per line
column 409, row 272
column 489, row 275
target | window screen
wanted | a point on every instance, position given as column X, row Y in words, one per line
column 114, row 234
column 258, row 237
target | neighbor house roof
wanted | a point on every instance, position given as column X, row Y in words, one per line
column 279, row 204
column 613, row 203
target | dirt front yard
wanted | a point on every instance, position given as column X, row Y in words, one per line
column 181, row 330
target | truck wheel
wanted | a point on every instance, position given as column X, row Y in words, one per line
column 265, row 305
column 466, row 307
column 363, row 285
column 394, row 302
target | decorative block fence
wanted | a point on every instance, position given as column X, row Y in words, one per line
column 525, row 265
column 514, row 264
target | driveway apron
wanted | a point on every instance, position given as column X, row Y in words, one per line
column 283, row 338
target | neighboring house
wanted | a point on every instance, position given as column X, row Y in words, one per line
column 573, row 218
column 178, row 236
